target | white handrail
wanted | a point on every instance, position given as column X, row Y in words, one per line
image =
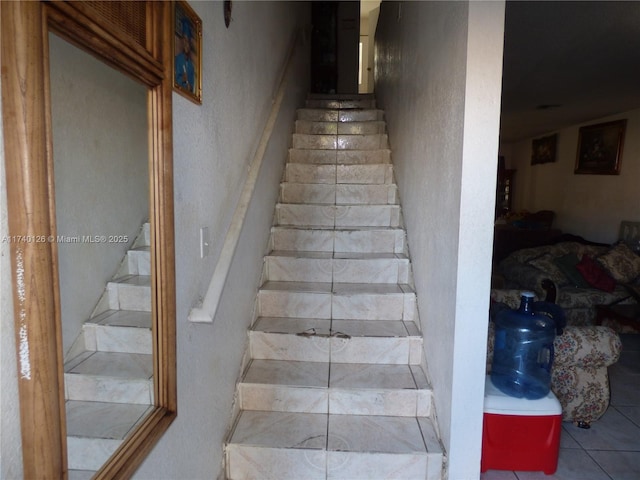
column 207, row 311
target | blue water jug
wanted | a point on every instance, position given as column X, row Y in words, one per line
column 523, row 348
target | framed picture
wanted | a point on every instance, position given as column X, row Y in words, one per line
column 543, row 150
column 600, row 148
column 187, row 52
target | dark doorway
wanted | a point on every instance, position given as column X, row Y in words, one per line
column 334, row 47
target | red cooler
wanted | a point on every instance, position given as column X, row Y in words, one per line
column 520, row 434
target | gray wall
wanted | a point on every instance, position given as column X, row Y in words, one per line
column 99, row 120
column 213, row 146
column 438, row 77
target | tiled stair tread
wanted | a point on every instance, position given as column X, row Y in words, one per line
column 102, row 420
column 328, row 327
column 345, row 433
column 137, row 280
column 337, row 255
column 112, row 364
column 335, row 375
column 122, row 318
column 338, row 288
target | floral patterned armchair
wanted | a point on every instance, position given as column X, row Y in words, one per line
column 579, row 376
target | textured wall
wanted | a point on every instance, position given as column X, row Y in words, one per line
column 438, row 77
column 213, row 146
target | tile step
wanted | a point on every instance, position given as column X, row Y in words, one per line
column 340, row 301
column 340, row 103
column 345, row 240
column 96, row 429
column 345, row 194
column 110, row 377
column 139, row 261
column 337, row 267
column 365, row 175
column 337, row 115
column 340, row 142
column 290, row 214
column 122, row 331
column 340, row 157
column 336, row 388
column 131, row 292
column 310, row 127
column 310, row 445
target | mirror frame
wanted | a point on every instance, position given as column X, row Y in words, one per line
column 26, row 110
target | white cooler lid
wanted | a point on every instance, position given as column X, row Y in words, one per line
column 498, row 402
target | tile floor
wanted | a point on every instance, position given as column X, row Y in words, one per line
column 610, row 449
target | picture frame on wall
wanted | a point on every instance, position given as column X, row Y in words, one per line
column 187, row 52
column 600, row 148
column 543, row 150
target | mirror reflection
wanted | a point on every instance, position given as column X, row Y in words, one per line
column 100, row 150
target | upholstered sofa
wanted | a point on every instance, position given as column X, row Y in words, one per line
column 579, row 376
column 584, row 275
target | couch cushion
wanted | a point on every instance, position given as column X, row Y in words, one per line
column 595, row 275
column 567, row 264
column 546, row 263
column 621, row 263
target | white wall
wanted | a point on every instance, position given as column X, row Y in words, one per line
column 99, row 123
column 438, row 77
column 10, row 445
column 213, row 145
column 591, row 206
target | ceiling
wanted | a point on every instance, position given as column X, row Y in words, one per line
column 567, row 63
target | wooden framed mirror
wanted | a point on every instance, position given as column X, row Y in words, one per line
column 135, row 39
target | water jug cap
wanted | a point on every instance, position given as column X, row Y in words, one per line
column 528, row 294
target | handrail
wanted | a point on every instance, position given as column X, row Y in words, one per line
column 207, row 311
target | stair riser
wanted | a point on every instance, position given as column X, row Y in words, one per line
column 321, row 194
column 139, row 262
column 364, row 175
column 338, row 216
column 341, row 157
column 281, row 303
column 334, row 115
column 117, row 339
column 89, row 453
column 340, row 104
column 108, row 389
column 340, row 142
column 361, row 350
column 129, row 297
column 337, row 270
column 340, row 128
column 278, row 398
column 344, row 241
column 310, row 464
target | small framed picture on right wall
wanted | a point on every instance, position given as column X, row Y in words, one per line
column 600, row 148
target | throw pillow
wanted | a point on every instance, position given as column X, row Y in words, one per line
column 621, row 263
column 567, row 264
column 546, row 264
column 595, row 275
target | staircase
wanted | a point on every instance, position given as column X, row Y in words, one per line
column 336, row 387
column 109, row 384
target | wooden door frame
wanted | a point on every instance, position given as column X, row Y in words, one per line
column 26, row 111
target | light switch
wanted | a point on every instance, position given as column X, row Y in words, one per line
column 204, row 242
